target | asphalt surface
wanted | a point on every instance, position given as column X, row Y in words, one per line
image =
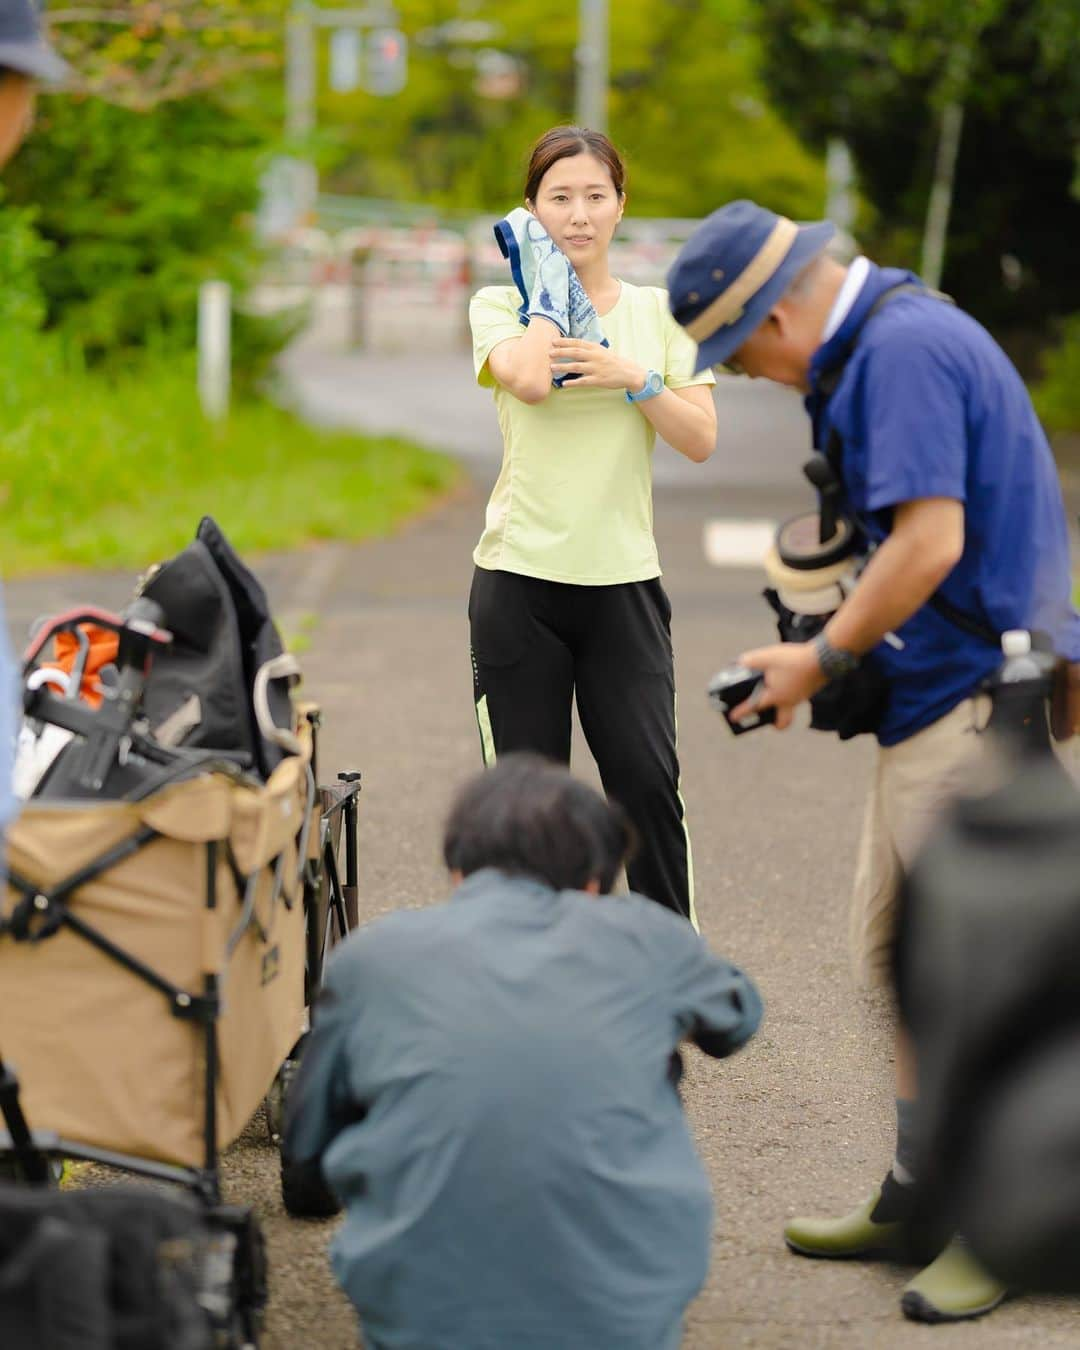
column 801, row 1121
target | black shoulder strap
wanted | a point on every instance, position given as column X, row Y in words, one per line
column 829, row 379
column 828, row 382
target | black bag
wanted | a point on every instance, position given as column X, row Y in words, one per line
column 223, row 636
column 989, row 987
column 853, row 703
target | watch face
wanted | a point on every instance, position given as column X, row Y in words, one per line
column 655, row 383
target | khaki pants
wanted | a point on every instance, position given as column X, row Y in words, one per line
column 913, row 782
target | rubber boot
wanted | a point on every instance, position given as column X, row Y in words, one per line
column 952, row 1288
column 878, row 1227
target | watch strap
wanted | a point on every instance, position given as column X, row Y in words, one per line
column 834, row 661
column 654, row 385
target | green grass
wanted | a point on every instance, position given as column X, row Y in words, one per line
column 115, row 470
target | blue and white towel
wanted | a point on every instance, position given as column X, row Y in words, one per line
column 546, row 280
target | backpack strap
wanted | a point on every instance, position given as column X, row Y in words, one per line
column 834, row 452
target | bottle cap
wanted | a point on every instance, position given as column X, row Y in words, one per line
column 1016, row 642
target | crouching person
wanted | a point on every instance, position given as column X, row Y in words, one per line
column 490, row 1086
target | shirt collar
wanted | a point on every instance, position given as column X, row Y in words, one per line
column 857, row 273
column 490, row 881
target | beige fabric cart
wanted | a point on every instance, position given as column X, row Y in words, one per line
column 156, row 958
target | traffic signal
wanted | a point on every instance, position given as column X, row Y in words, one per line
column 387, row 61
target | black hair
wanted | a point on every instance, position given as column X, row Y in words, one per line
column 530, row 817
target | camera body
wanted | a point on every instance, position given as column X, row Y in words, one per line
column 730, row 687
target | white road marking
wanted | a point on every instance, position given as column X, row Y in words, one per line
column 738, row 543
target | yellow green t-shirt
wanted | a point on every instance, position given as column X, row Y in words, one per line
column 573, row 500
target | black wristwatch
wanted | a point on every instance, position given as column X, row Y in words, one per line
column 834, row 661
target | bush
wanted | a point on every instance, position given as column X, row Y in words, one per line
column 1057, row 395
column 136, row 210
column 22, row 303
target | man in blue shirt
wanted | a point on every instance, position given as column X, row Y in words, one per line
column 491, row 1086
column 24, row 58
column 945, row 467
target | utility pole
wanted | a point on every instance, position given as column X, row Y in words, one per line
column 939, row 207
column 941, row 194
column 301, row 75
column 592, row 64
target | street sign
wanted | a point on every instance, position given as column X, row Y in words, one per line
column 387, row 62
column 345, row 48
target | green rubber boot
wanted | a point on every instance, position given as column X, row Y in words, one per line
column 877, row 1228
column 952, row 1288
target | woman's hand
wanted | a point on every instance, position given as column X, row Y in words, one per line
column 598, row 367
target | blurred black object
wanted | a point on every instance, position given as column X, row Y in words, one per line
column 127, row 1268
column 732, row 686
column 988, row 981
column 852, row 704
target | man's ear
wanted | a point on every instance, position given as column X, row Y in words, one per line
column 592, row 886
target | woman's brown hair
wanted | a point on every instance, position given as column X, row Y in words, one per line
column 564, row 143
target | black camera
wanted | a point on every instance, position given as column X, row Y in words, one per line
column 730, row 687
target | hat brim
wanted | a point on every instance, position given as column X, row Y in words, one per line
column 808, row 243
column 34, row 59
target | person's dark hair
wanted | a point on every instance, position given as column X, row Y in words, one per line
column 529, row 817
column 565, row 143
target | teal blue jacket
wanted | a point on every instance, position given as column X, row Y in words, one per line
column 491, row 1088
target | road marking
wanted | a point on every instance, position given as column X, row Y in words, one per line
column 738, row 543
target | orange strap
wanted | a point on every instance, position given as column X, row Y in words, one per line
column 104, row 647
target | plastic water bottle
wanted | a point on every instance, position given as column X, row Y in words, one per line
column 1020, row 690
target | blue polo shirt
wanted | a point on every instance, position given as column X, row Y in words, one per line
column 489, row 1084
column 930, row 406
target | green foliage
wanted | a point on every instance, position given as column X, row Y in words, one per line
column 139, row 209
column 686, row 105
column 1057, row 395
column 141, row 53
column 878, row 72
column 22, row 305
column 120, row 466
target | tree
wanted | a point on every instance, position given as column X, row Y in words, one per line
column 143, row 175
column 686, row 105
column 880, row 72
column 142, row 53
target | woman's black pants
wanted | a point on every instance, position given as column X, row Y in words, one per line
column 538, row 644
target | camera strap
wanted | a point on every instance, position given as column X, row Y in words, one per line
column 825, row 470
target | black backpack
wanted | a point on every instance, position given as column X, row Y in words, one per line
column 205, row 691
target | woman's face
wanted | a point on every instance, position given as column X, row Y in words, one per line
column 577, row 204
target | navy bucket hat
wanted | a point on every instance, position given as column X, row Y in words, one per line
column 732, row 270
column 22, row 48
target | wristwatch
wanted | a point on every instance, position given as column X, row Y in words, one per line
column 654, row 384
column 834, row 661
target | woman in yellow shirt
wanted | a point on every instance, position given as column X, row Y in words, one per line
column 566, row 598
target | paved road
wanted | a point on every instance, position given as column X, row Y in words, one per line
column 801, row 1119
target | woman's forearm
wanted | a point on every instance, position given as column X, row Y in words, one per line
column 523, row 365
column 687, row 423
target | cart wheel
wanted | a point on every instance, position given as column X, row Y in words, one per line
column 303, row 1191
column 274, row 1101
